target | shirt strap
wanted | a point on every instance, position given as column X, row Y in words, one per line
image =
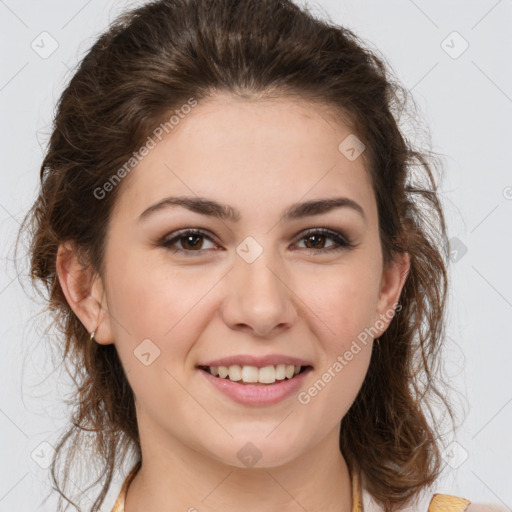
column 357, row 503
column 119, row 504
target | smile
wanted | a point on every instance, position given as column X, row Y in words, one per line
column 248, row 390
column 253, row 375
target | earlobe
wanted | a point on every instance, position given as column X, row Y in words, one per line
column 83, row 289
column 393, row 279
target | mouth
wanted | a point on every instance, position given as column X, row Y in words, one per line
column 266, row 375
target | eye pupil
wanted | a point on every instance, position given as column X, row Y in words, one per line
column 314, row 237
column 193, row 245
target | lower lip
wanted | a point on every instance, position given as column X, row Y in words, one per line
column 257, row 394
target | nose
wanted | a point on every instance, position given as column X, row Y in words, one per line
column 258, row 299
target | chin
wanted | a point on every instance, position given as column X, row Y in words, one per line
column 258, row 451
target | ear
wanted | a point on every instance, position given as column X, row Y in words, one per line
column 83, row 289
column 393, row 279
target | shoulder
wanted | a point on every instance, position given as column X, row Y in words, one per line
column 428, row 501
column 485, row 507
column 448, row 503
column 419, row 504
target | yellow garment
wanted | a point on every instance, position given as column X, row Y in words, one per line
column 439, row 503
column 119, row 505
column 357, row 503
column 447, row 503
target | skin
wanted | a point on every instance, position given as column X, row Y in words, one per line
column 260, row 157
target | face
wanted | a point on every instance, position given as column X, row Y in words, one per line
column 188, row 286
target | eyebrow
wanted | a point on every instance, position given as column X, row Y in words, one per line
column 222, row 211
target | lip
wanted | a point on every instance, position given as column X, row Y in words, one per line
column 260, row 362
column 257, row 394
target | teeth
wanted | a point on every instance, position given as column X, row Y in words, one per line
column 280, row 372
column 252, row 374
column 249, row 373
column 235, row 373
column 267, row 374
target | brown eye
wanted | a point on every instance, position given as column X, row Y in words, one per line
column 315, row 241
column 188, row 241
column 191, row 241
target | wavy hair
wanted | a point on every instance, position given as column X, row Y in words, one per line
column 150, row 61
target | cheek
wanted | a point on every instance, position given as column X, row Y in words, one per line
column 168, row 305
column 151, row 298
column 341, row 309
column 343, row 301
column 154, row 319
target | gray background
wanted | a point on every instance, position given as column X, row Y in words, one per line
column 465, row 98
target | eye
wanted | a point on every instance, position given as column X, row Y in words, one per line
column 191, row 241
column 315, row 240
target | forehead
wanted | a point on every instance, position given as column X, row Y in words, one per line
column 243, row 151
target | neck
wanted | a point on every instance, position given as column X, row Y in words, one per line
column 176, row 477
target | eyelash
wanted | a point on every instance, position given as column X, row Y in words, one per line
column 342, row 242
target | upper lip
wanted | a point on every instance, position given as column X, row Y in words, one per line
column 248, row 360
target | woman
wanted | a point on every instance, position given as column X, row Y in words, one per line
column 247, row 261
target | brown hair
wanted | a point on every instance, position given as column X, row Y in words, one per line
column 151, row 61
